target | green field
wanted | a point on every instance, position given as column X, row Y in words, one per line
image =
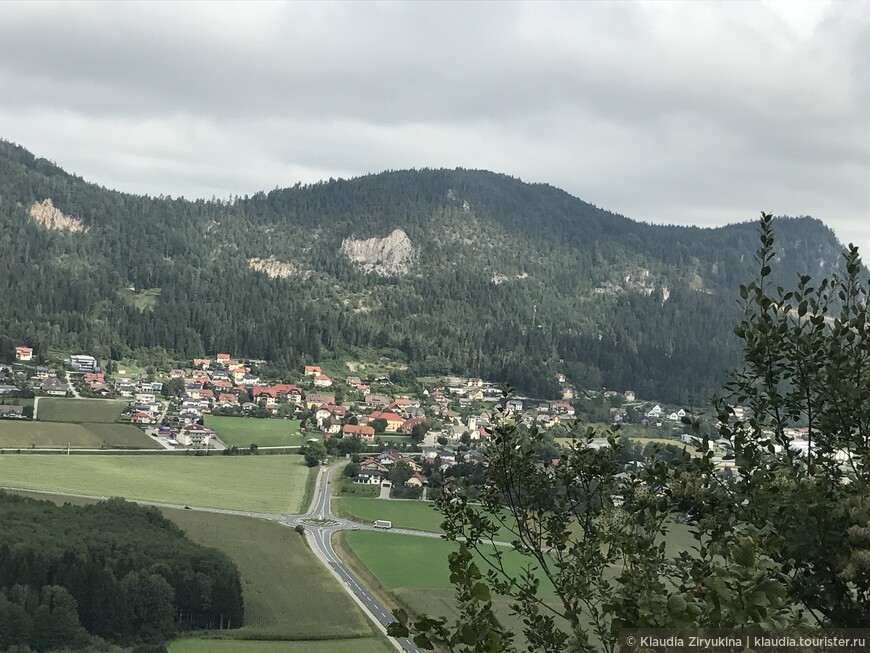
column 415, row 562
column 272, row 484
column 55, row 409
column 59, row 435
column 367, row 645
column 287, row 590
column 419, row 515
column 245, row 431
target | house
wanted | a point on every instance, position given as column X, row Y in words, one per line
column 226, row 399
column 201, row 363
column 312, row 370
column 141, row 417
column 125, row 387
column 394, row 420
column 365, row 432
column 11, row 411
column 369, row 478
column 331, row 426
column 475, row 394
column 248, row 406
column 223, row 358
column 192, row 390
column 8, row 389
column 474, row 382
column 94, row 377
column 353, row 380
column 417, row 480
column 176, row 374
column 562, row 408
column 54, row 387
column 206, row 394
column 654, row 412
column 629, row 395
column 377, row 401
column 194, row 435
column 313, row 400
column 560, row 378
column 322, row 381
column 84, row 363
column 42, row 372
column 567, row 394
column 144, row 398
column 515, row 405
column 23, row 354
column 409, row 424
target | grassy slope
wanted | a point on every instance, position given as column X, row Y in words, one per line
column 256, row 483
column 55, row 409
column 244, row 431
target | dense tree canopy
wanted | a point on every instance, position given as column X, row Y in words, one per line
column 114, row 570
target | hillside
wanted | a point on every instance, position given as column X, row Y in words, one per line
column 448, row 270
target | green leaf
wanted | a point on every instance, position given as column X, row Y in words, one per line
column 481, row 592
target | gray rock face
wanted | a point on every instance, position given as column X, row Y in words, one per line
column 387, row 256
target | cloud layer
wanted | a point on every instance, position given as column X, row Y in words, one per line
column 691, row 113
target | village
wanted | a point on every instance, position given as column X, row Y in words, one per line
column 428, row 426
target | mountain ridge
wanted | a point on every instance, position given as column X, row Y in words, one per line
column 507, row 280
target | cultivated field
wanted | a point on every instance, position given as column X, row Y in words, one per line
column 58, row 435
column 274, row 484
column 367, row 645
column 288, row 593
column 56, row 409
column 245, row 431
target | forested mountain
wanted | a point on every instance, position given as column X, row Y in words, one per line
column 458, row 271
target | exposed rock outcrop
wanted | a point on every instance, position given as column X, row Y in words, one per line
column 272, row 267
column 385, row 256
column 51, row 217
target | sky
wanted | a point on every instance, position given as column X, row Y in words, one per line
column 683, row 113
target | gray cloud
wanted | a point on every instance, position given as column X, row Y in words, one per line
column 684, row 113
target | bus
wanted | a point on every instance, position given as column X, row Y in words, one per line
column 383, row 523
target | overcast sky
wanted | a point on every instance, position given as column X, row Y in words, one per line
column 692, row 113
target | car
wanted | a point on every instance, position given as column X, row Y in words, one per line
column 187, row 507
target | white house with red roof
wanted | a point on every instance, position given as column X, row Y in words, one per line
column 322, row 381
column 23, row 354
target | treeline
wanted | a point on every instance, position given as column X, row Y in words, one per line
column 662, row 329
column 115, row 572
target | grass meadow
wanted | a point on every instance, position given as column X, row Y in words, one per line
column 55, row 409
column 272, row 484
column 57, row 435
column 245, row 431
